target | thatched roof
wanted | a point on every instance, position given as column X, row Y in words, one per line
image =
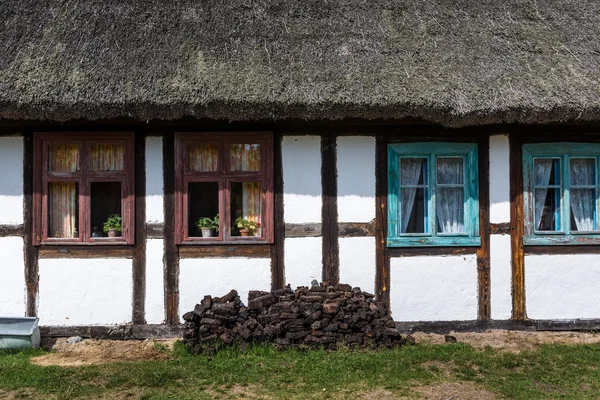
column 454, row 62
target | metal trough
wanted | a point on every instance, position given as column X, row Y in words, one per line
column 19, row 333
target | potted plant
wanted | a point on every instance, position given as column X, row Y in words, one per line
column 245, row 226
column 208, row 225
column 112, row 226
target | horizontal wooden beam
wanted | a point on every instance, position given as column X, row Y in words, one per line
column 430, row 251
column 11, row 230
column 565, row 249
column 155, row 230
column 345, row 229
column 502, row 228
column 443, row 327
column 224, row 251
column 117, row 332
column 87, row 252
column 303, row 230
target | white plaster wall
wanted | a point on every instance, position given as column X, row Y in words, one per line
column 356, row 178
column 155, row 291
column 501, row 277
column 357, row 262
column 12, row 278
column 85, row 291
column 562, row 286
column 154, row 180
column 303, row 260
column 499, row 179
column 433, row 288
column 217, row 276
column 301, row 157
column 11, row 180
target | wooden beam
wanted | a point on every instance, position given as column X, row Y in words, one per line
column 171, row 251
column 277, row 252
column 11, row 230
column 329, row 211
column 382, row 257
column 118, row 332
column 483, row 252
column 85, row 251
column 139, row 256
column 517, row 228
column 430, row 251
column 30, row 252
column 501, row 228
column 345, row 229
column 155, row 230
column 225, row 251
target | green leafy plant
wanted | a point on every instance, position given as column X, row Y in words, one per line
column 113, row 222
column 208, row 223
column 243, row 223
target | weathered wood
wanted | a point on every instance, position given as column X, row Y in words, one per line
column 382, row 272
column 30, row 251
column 329, row 211
column 356, row 229
column 442, row 327
column 224, row 251
column 502, row 228
column 83, row 251
column 11, row 230
column 483, row 252
column 139, row 257
column 116, row 332
column 303, row 230
column 279, row 227
column 155, row 230
column 171, row 257
column 517, row 229
column 566, row 250
column 430, row 251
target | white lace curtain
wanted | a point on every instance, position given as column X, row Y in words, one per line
column 582, row 173
column 410, row 173
column 450, row 208
column 542, row 171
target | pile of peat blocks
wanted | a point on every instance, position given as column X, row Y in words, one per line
column 327, row 316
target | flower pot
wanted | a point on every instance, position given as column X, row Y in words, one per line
column 113, row 233
column 207, row 232
column 257, row 232
column 245, row 232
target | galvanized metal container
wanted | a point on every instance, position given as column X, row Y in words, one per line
column 19, row 333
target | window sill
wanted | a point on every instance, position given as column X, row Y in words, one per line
column 438, row 241
column 84, row 244
column 209, row 242
column 561, row 240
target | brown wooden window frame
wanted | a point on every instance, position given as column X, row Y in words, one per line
column 84, row 178
column 224, row 177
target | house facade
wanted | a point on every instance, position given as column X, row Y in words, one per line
column 442, row 156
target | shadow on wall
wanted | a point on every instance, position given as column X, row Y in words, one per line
column 356, row 167
column 302, row 165
column 11, row 180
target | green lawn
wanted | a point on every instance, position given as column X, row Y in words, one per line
column 566, row 372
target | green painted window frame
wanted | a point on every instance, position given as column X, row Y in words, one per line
column 432, row 150
column 563, row 151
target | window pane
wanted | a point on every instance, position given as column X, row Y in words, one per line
column 582, row 171
column 450, row 170
column 413, row 204
column 546, row 171
column 244, row 157
column 450, row 210
column 203, row 157
column 245, row 209
column 106, row 157
column 63, row 158
column 583, row 207
column 105, row 203
column 413, row 171
column 203, row 202
column 547, row 209
column 63, row 210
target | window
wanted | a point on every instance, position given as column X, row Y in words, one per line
column 83, row 188
column 561, row 193
column 433, row 195
column 224, row 187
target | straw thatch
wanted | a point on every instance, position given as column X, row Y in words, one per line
column 454, row 62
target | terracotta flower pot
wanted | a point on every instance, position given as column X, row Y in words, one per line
column 113, row 233
column 245, row 232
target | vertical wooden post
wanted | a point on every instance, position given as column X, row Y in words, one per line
column 517, row 228
column 382, row 273
column 329, row 212
column 139, row 257
column 30, row 252
column 277, row 259
column 171, row 251
column 483, row 252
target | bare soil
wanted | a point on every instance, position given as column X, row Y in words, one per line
column 453, row 391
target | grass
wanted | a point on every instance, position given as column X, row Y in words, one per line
column 551, row 371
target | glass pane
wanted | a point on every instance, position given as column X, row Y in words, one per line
column 203, row 209
column 63, row 158
column 105, row 212
column 203, row 157
column 547, row 209
column 450, row 170
column 583, row 209
column 63, row 210
column 245, row 209
column 106, row 157
column 582, row 171
column 413, row 209
column 244, row 157
column 546, row 171
column 450, row 210
column 413, row 171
